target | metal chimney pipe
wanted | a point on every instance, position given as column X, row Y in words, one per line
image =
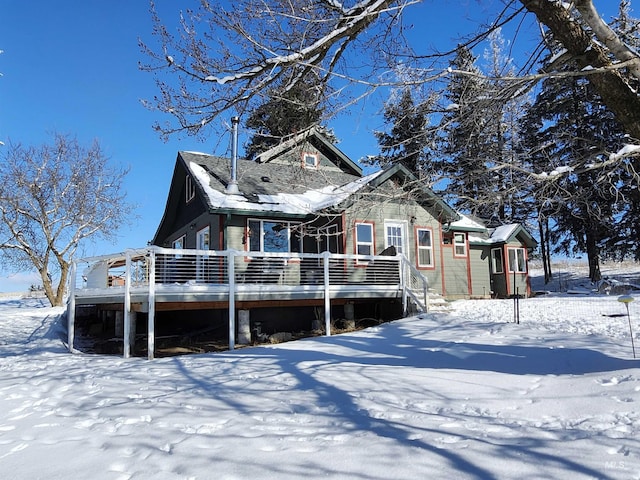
column 232, row 186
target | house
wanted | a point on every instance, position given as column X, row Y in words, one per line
column 301, row 235
column 306, row 196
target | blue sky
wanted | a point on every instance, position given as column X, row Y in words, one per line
column 72, row 67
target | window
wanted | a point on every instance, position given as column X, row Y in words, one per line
column 189, row 189
column 310, row 160
column 179, row 244
column 364, row 239
column 425, row 247
column 459, row 245
column 517, row 260
column 395, row 236
column 328, row 240
column 272, row 236
column 496, row 260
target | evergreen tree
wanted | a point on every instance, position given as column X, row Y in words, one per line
column 285, row 112
column 480, row 137
column 462, row 141
column 566, row 127
column 626, row 241
column 409, row 140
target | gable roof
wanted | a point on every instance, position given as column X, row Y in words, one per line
column 282, row 188
column 424, row 195
column 319, row 141
column 510, row 232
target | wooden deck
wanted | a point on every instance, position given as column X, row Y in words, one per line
column 157, row 279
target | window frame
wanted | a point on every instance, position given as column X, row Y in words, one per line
column 358, row 243
column 287, row 225
column 456, row 244
column 314, row 156
column 189, row 189
column 517, row 258
column 428, row 248
column 402, row 226
column 494, row 270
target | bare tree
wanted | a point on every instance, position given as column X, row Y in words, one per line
column 52, row 198
column 224, row 58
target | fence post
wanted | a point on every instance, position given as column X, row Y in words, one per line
column 71, row 307
column 327, row 294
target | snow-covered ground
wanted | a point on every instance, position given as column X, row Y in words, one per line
column 465, row 394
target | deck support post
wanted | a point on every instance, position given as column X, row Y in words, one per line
column 327, row 294
column 71, row 307
column 151, row 321
column 244, row 327
column 231, row 263
column 126, row 348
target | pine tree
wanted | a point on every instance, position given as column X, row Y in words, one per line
column 285, row 112
column 566, row 127
column 479, row 140
column 409, row 141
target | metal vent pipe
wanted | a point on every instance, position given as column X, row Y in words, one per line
column 232, row 186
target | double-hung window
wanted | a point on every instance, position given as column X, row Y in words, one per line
column 273, row 236
column 425, row 247
column 459, row 245
column 364, row 238
column 517, row 260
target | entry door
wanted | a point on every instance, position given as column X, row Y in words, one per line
column 202, row 243
column 396, row 235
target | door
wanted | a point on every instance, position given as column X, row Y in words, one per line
column 202, row 261
column 396, row 236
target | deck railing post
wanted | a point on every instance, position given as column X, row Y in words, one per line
column 151, row 321
column 327, row 293
column 231, row 269
column 126, row 349
column 403, row 275
column 71, row 307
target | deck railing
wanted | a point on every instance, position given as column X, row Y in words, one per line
column 153, row 271
column 209, row 267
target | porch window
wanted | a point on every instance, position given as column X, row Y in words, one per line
column 310, row 160
column 459, row 245
column 273, row 236
column 496, row 260
column 189, row 189
column 364, row 239
column 425, row 247
column 517, row 260
column 328, row 240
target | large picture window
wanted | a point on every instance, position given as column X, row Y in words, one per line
column 364, row 239
column 425, row 247
column 273, row 236
column 517, row 260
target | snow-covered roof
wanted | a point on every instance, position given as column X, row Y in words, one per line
column 504, row 232
column 465, row 222
column 309, row 201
